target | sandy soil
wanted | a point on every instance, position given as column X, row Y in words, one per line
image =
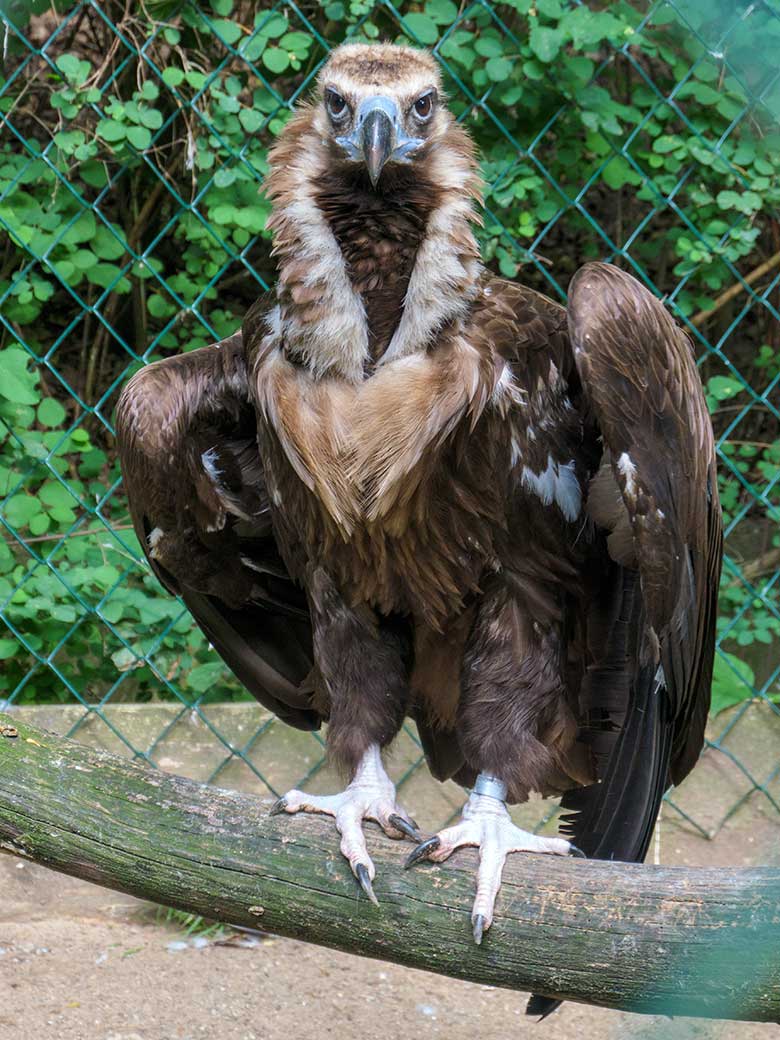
column 82, row 963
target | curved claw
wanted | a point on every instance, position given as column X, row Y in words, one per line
column 278, row 807
column 422, row 850
column 574, row 851
column 400, row 824
column 478, row 927
column 361, row 873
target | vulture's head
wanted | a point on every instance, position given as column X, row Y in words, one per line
column 377, row 113
column 380, row 105
column 373, row 184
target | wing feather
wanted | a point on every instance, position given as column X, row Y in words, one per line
column 186, row 434
column 639, row 376
column 652, row 582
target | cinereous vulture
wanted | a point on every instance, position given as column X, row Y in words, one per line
column 409, row 488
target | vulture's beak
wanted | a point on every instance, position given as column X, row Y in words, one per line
column 378, row 136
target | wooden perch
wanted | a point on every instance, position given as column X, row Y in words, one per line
column 652, row 939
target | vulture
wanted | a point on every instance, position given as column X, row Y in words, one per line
column 410, row 488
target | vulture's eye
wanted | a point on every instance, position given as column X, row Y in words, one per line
column 336, row 105
column 423, row 106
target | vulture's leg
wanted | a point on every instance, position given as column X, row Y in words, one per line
column 514, row 727
column 363, row 679
column 485, row 823
column 369, row 796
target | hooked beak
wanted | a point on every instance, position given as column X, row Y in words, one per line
column 378, row 136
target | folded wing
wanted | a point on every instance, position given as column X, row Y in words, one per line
column 652, row 583
column 640, row 379
column 186, row 435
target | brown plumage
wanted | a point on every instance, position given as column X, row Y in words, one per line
column 412, row 488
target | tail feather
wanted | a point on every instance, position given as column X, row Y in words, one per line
column 615, row 818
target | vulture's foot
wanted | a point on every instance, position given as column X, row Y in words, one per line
column 486, row 824
column 370, row 796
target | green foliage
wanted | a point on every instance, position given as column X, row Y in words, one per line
column 77, row 602
column 131, row 194
column 191, row 926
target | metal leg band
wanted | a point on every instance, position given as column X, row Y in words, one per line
column 490, row 787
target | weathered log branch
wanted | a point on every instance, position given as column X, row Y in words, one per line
column 651, row 939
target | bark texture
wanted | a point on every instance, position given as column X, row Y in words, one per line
column 651, row 939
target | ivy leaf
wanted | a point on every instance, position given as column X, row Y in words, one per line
column 139, row 137
column 545, row 42
column 733, row 681
column 150, row 117
column 422, row 26
column 666, row 143
column 586, row 27
column 40, row 524
column 112, row 611
column 111, row 130
column 69, row 140
column 105, row 576
column 618, row 172
column 55, row 495
column 8, row 648
column 106, row 245
column 488, row 46
column 443, row 12
column 16, row 383
column 150, row 91
column 225, row 177
column 197, row 80
column 272, row 27
column 250, row 120
column 723, row 388
column 50, row 412
column 204, row 676
column 297, row 42
column 276, row 60
column 498, row 69
column 75, row 70
column 20, row 509
column 105, row 275
column 229, row 31
column 172, row 77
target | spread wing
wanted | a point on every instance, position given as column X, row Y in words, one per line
column 186, row 435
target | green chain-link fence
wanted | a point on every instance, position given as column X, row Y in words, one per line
column 131, row 166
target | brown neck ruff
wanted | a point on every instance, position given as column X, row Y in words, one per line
column 379, row 231
column 369, row 276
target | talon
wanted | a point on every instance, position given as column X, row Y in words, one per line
column 578, row 853
column 478, row 927
column 422, row 850
column 361, row 872
column 400, row 824
column 370, row 795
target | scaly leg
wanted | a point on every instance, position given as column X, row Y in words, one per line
column 370, row 796
column 485, row 823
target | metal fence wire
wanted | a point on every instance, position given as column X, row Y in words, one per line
column 132, row 158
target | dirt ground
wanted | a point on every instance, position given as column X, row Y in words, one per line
column 79, row 962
